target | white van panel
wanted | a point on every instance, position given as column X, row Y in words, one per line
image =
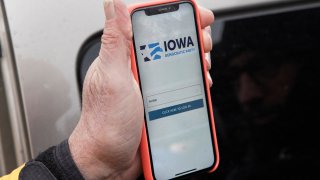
column 46, row 37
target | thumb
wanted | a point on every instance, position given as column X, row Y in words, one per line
column 117, row 33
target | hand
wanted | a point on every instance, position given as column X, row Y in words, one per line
column 105, row 142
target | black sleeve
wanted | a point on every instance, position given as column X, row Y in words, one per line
column 54, row 163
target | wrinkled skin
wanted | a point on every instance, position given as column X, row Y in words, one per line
column 105, row 142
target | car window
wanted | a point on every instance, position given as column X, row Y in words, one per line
column 265, row 89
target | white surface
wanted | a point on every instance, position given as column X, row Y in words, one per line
column 46, row 38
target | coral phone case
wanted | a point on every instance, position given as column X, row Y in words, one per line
column 144, row 147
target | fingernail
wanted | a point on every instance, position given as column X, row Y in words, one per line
column 208, row 29
column 210, row 79
column 208, row 58
column 208, row 36
column 109, row 9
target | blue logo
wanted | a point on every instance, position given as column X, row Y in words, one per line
column 154, row 54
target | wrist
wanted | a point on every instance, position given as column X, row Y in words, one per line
column 91, row 161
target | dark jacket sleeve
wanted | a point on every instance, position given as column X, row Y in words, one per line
column 54, row 163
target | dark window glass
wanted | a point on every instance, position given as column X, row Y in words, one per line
column 265, row 93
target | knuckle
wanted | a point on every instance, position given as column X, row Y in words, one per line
column 92, row 85
column 110, row 38
column 95, row 82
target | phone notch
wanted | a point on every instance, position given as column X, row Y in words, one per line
column 161, row 9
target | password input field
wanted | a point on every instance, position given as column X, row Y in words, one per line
column 174, row 95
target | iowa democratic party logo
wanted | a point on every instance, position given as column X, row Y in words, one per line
column 173, row 47
column 154, row 49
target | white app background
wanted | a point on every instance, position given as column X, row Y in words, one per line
column 179, row 142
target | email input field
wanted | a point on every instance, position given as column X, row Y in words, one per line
column 174, row 95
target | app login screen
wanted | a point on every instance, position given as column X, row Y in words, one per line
column 173, row 92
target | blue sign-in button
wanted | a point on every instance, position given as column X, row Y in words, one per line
column 176, row 109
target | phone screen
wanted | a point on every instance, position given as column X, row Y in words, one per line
column 172, row 84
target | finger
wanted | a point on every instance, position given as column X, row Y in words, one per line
column 209, row 79
column 117, row 33
column 208, row 61
column 109, row 9
column 117, row 17
column 207, row 41
column 206, row 17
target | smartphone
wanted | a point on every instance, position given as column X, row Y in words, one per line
column 179, row 138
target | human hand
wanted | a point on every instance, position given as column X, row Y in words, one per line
column 105, row 142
